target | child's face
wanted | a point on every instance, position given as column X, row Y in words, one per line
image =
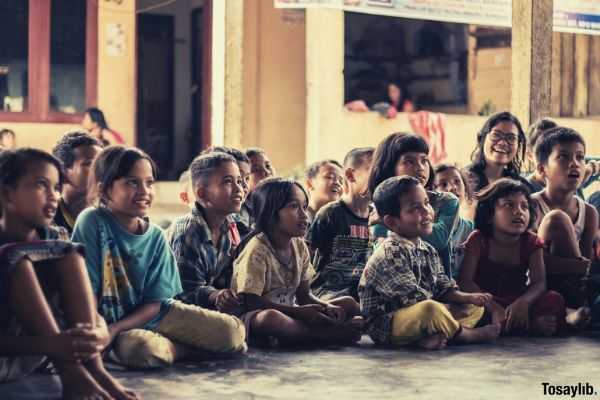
column 413, row 164
column 501, row 143
column 223, row 193
column 7, row 142
column 293, row 217
column 565, row 168
column 451, row 181
column 511, row 214
column 132, row 195
column 78, row 174
column 416, row 215
column 34, row 200
column 245, row 174
column 260, row 168
column 328, row 185
column 359, row 177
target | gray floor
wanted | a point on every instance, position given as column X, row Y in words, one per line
column 513, row 368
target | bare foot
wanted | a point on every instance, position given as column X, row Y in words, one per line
column 79, row 384
column 110, row 384
column 486, row 333
column 579, row 318
column 545, row 325
column 437, row 341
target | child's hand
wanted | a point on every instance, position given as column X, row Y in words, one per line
column 480, row 299
column 313, row 314
column 517, row 316
column 374, row 218
column 227, row 301
column 336, row 312
column 75, row 346
column 98, row 334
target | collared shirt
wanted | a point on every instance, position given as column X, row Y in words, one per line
column 204, row 267
column 399, row 274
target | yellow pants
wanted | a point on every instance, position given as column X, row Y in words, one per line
column 183, row 327
column 413, row 323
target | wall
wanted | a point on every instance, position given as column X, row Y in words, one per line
column 116, row 83
column 274, row 83
column 332, row 131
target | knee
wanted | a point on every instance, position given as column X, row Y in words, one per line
column 233, row 335
column 551, row 303
column 269, row 321
column 431, row 309
column 556, row 223
column 140, row 348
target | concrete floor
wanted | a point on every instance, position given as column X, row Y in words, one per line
column 513, row 368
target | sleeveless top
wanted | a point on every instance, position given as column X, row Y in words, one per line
column 501, row 280
column 578, row 225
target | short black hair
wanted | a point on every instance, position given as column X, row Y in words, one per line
column 552, row 137
column 235, row 153
column 489, row 196
column 184, row 178
column 443, row 167
column 389, row 151
column 254, row 151
column 14, row 164
column 203, row 166
column 536, row 130
column 113, row 163
column 97, row 116
column 357, row 156
column 387, row 194
column 65, row 148
column 313, row 169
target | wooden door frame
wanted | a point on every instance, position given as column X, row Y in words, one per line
column 205, row 107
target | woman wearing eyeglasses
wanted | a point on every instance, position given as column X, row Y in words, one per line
column 500, row 152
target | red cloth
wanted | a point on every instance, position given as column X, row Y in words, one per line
column 432, row 126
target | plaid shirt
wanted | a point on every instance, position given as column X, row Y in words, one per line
column 204, row 268
column 399, row 274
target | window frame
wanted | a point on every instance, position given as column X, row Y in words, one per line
column 38, row 66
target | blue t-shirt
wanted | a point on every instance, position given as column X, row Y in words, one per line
column 126, row 270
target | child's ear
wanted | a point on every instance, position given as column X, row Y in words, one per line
column 540, row 169
column 309, row 185
column 183, row 196
column 389, row 221
column 349, row 174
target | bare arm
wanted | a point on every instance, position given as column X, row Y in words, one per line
column 537, row 278
column 140, row 317
column 468, row 268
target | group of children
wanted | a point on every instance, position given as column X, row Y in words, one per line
column 383, row 243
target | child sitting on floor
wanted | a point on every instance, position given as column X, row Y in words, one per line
column 134, row 274
column 504, row 258
column 339, row 235
column 205, row 239
column 324, row 184
column 408, row 154
column 37, row 263
column 403, row 284
column 567, row 224
column 76, row 151
column 273, row 271
column 449, row 178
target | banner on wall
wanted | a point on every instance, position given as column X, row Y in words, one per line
column 574, row 16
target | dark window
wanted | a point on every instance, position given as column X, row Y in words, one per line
column 14, row 41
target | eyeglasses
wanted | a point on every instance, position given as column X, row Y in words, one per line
column 509, row 138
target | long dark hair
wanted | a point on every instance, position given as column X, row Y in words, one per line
column 389, row 151
column 97, row 116
column 478, row 156
column 269, row 197
column 489, row 196
column 114, row 162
